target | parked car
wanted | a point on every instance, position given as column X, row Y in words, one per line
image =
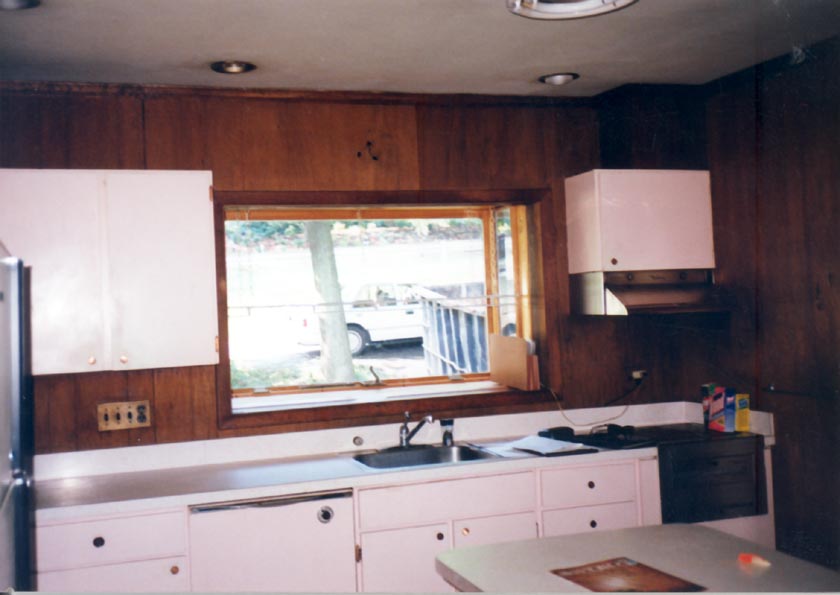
column 376, row 313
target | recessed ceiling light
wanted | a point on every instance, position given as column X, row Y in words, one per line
column 559, row 78
column 18, row 4
column 232, row 66
column 564, row 9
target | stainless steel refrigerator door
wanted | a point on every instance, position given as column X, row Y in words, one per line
column 15, row 434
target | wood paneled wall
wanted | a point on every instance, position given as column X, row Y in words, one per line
column 768, row 135
column 795, row 168
column 774, row 152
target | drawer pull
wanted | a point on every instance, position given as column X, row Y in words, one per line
column 98, row 541
column 439, row 536
column 591, row 485
column 465, row 531
column 593, row 523
column 174, row 570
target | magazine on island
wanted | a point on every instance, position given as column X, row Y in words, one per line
column 624, row 574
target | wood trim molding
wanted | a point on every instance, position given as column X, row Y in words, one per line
column 379, row 98
column 374, row 198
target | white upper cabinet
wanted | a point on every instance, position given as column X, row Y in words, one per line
column 123, row 266
column 638, row 220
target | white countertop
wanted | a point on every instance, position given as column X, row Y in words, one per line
column 125, row 492
column 118, row 481
column 693, row 553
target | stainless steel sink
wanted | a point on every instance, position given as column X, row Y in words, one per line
column 422, row 455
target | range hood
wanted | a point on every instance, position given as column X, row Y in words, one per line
column 644, row 292
column 640, row 242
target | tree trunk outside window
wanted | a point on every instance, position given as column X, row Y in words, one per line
column 336, row 361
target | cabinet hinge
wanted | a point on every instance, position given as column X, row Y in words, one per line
column 358, row 553
column 217, row 343
column 210, row 189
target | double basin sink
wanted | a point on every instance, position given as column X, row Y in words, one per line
column 413, row 456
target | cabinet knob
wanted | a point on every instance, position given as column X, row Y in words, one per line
column 91, row 360
column 591, row 485
column 465, row 531
column 123, row 359
column 614, row 260
column 440, row 536
column 174, row 570
column 98, row 541
column 593, row 523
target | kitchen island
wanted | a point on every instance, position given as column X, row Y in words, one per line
column 700, row 556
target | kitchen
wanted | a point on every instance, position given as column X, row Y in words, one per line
column 766, row 134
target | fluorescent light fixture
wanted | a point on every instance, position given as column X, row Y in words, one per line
column 564, row 9
column 18, row 4
column 559, row 78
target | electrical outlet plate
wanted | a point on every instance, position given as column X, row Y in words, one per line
column 123, row 415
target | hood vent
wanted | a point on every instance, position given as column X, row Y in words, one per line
column 644, row 292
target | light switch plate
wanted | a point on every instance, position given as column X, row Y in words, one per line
column 123, row 415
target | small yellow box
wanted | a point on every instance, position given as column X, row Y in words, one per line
column 742, row 413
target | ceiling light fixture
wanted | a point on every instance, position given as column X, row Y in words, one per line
column 559, row 78
column 232, row 66
column 564, row 9
column 18, row 4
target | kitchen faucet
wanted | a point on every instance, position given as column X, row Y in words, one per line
column 405, row 435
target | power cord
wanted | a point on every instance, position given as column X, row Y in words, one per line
column 562, row 411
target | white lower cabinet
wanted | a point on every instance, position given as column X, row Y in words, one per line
column 403, row 528
column 135, row 553
column 167, row 575
column 301, row 543
column 589, row 518
column 403, row 560
column 591, row 498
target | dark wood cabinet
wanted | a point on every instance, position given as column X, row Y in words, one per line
column 717, row 478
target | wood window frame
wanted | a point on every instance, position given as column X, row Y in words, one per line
column 337, row 416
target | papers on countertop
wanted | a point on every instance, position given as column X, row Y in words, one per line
column 546, row 447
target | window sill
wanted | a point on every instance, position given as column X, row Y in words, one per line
column 246, row 405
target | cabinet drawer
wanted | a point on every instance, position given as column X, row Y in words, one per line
column 169, row 575
column 403, row 506
column 589, row 518
column 106, row 541
column 585, row 486
column 498, row 529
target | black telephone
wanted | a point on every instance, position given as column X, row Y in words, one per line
column 558, row 433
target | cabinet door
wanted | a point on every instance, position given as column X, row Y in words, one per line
column 50, row 219
column 162, row 269
column 283, row 546
column 655, row 220
column 403, row 560
column 498, row 529
column 168, row 575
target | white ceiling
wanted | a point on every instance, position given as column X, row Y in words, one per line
column 414, row 46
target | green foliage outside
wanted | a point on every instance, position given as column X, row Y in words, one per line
column 263, row 234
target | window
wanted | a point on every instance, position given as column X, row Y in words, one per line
column 325, row 303
column 256, row 386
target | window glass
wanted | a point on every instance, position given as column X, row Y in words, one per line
column 361, row 302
